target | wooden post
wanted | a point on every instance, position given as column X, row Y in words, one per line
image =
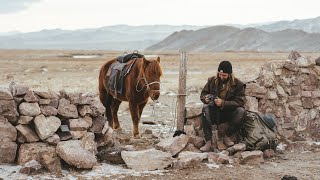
column 182, row 92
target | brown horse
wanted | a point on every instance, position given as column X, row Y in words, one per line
column 142, row 82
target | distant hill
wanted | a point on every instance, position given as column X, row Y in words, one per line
column 224, row 38
column 120, row 37
column 308, row 25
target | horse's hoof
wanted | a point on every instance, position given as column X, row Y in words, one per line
column 137, row 136
column 119, row 130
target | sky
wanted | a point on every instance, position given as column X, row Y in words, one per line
column 36, row 15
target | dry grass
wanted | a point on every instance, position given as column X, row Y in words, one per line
column 56, row 70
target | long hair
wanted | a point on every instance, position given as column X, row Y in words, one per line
column 230, row 82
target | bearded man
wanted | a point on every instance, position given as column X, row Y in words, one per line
column 223, row 98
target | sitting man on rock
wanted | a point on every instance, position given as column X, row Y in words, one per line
column 223, row 98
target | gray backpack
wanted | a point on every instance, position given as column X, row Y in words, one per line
column 259, row 131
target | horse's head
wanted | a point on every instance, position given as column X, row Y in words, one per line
column 153, row 72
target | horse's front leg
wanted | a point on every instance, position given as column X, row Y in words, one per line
column 135, row 116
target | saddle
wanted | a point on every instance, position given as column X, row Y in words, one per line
column 117, row 72
column 127, row 57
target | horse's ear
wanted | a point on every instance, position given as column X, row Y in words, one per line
column 158, row 59
column 145, row 62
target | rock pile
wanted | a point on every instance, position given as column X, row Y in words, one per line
column 41, row 128
column 290, row 91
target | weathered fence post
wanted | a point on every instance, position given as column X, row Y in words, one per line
column 182, row 92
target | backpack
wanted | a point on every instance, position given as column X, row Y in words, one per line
column 259, row 131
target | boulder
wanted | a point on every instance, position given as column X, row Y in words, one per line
column 8, row 150
column 84, row 110
column 8, row 109
column 47, row 95
column 31, row 167
column 189, row 159
column 89, row 142
column 25, row 119
column 31, row 151
column 173, row 145
column 28, row 133
column 30, row 97
column 98, row 124
column 5, row 94
column 147, row 160
column 51, row 162
column 294, row 55
column 53, row 140
column 7, row 130
column 74, row 153
column 97, row 109
column 252, row 157
column 78, row 124
column 29, row 109
column 77, row 134
column 66, row 109
column 17, row 89
column 48, row 110
column 46, row 126
column 111, row 155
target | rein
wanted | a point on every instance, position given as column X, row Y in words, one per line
column 146, row 84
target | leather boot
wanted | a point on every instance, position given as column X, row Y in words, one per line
column 206, row 147
column 227, row 141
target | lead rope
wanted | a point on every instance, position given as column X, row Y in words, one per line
column 174, row 112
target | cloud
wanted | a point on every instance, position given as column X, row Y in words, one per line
column 12, row 6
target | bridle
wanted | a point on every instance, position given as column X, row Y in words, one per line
column 146, row 84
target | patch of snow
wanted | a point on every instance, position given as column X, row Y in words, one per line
column 281, row 147
column 212, row 165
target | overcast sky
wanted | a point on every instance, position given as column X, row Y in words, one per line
column 35, row 15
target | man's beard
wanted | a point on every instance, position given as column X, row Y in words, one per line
column 225, row 81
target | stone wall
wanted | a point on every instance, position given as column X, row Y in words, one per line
column 47, row 126
column 289, row 90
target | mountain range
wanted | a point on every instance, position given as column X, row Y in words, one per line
column 301, row 35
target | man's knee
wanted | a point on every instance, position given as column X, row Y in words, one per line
column 238, row 115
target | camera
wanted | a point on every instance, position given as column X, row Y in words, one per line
column 211, row 99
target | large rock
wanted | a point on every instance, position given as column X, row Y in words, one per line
column 8, row 150
column 17, row 89
column 25, row 119
column 252, row 157
column 147, row 160
column 78, row 124
column 317, row 61
column 48, row 110
column 28, row 133
column 7, row 130
column 251, row 104
column 29, row 109
column 31, row 167
column 173, row 145
column 89, row 143
column 66, row 109
column 84, row 110
column 294, row 55
column 51, row 162
column 97, row 109
column 304, row 62
column 98, row 124
column 8, row 109
column 32, row 151
column 81, row 98
column 47, row 94
column 189, row 159
column 46, row 126
column 193, row 112
column 5, row 94
column 30, row 97
column 111, row 155
column 53, row 140
column 109, row 137
column 255, row 90
column 74, row 153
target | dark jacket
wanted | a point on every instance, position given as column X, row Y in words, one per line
column 234, row 97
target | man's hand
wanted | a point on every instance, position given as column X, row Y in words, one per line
column 218, row 102
column 207, row 98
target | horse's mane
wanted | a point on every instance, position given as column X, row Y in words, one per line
column 152, row 67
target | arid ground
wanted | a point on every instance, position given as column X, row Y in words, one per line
column 73, row 72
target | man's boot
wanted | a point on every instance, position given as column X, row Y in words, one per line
column 206, row 147
column 227, row 141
